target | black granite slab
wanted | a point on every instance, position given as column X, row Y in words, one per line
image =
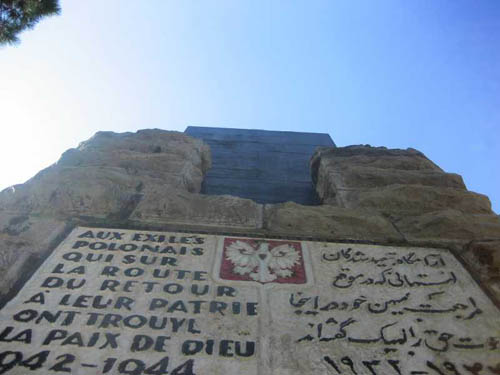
column 262, row 165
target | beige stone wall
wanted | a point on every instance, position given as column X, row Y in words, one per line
column 151, row 179
column 423, row 204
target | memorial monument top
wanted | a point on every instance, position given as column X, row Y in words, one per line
column 115, row 260
column 262, row 165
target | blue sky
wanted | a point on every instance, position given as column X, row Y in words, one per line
column 421, row 74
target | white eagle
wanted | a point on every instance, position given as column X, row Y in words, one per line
column 262, row 264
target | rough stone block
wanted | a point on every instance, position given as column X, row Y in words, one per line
column 148, row 141
column 171, row 206
column 375, row 157
column 328, row 222
column 368, row 177
column 416, row 199
column 107, row 175
column 24, row 239
column 389, row 181
column 174, row 157
column 448, row 224
column 483, row 258
column 72, row 191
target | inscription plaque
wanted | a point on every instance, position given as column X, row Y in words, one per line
column 137, row 302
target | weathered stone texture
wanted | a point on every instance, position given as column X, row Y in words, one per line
column 106, row 175
column 396, row 198
column 376, row 157
column 448, row 224
column 424, row 204
column 24, row 239
column 354, row 176
column 161, row 205
column 288, row 307
column 329, row 222
column 71, row 191
column 389, row 181
column 148, row 176
column 483, row 257
column 173, row 157
column 153, row 178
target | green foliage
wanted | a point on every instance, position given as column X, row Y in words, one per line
column 18, row 15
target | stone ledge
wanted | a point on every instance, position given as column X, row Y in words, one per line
column 329, row 222
column 170, row 206
column 375, row 157
column 363, row 177
column 390, row 180
column 451, row 225
column 414, row 199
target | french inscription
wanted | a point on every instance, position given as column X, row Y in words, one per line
column 129, row 302
column 137, row 302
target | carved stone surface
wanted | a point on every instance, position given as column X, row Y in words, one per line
column 329, row 221
column 151, row 176
column 417, row 199
column 484, row 258
column 111, row 301
column 173, row 206
column 151, row 180
column 107, row 175
column 448, row 224
column 24, row 240
column 390, row 180
column 425, row 205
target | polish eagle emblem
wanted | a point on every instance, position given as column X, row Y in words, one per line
column 261, row 263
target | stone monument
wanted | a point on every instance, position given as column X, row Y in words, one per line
column 160, row 252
